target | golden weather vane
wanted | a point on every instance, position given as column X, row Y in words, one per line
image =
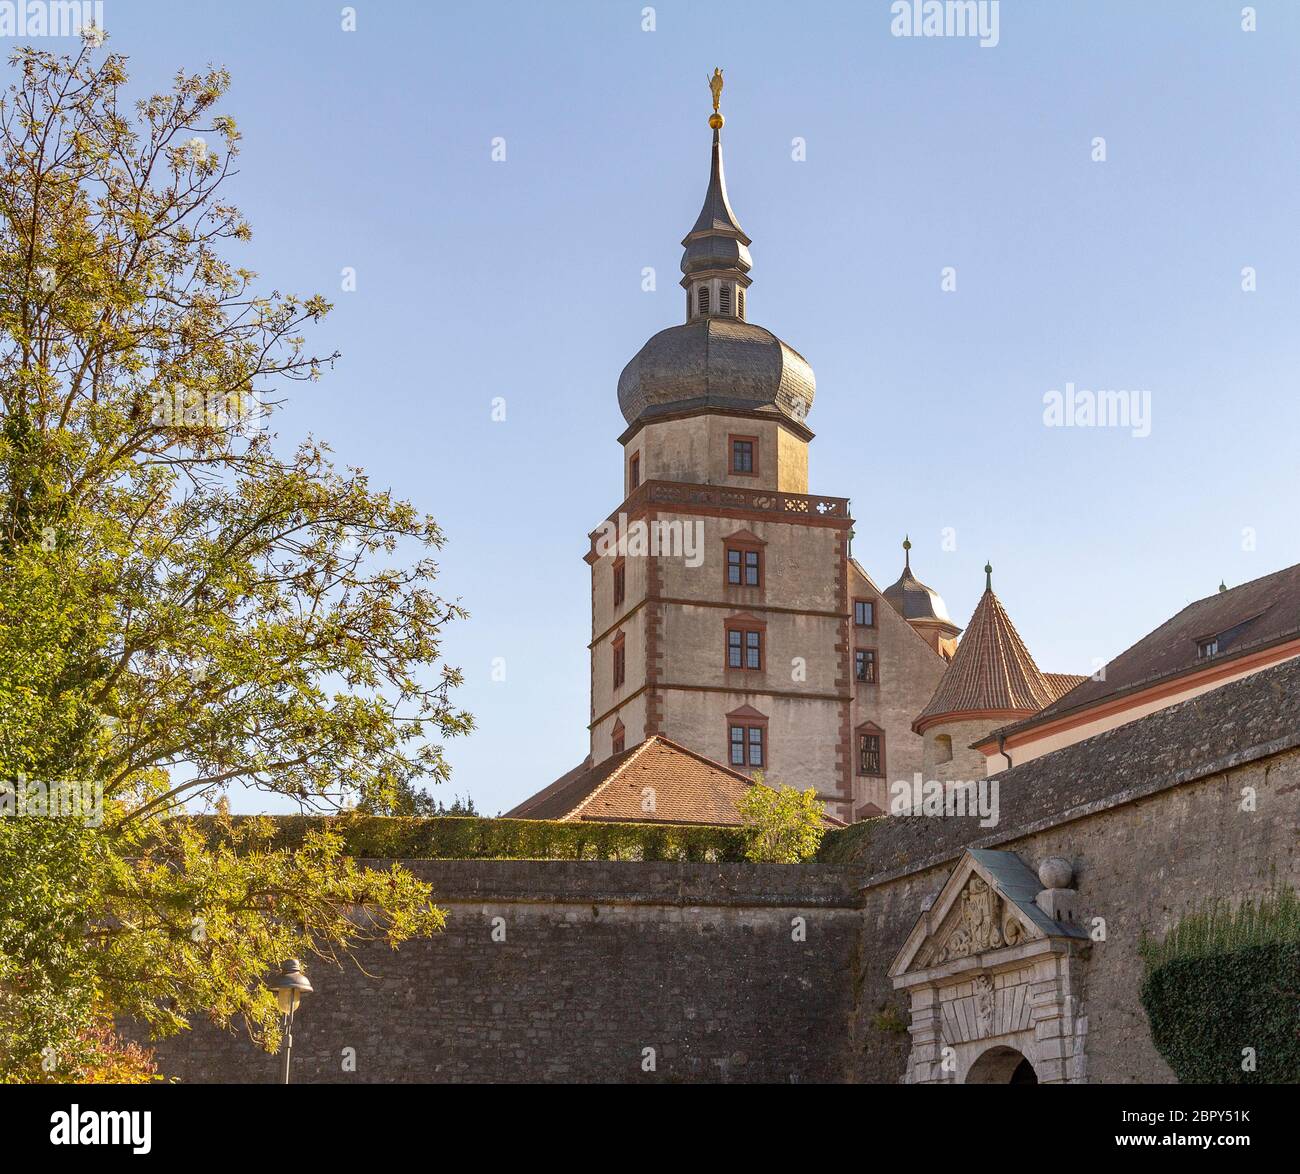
column 715, row 84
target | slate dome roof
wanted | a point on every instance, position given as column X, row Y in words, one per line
column 912, row 599
column 716, row 362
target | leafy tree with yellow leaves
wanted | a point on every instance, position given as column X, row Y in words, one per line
column 182, row 607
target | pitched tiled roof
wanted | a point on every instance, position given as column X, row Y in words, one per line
column 1245, row 721
column 1061, row 683
column 688, row 788
column 1245, row 619
column 992, row 670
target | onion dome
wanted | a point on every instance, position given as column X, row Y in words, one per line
column 912, row 599
column 717, row 358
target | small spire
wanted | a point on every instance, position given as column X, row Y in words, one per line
column 988, row 576
column 907, row 553
column 1222, row 585
column 717, row 249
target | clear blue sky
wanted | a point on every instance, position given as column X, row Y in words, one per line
column 522, row 279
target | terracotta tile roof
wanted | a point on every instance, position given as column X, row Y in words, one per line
column 688, row 788
column 992, row 670
column 1246, row 721
column 1061, row 683
column 1245, row 619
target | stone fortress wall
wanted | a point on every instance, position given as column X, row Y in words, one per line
column 778, row 973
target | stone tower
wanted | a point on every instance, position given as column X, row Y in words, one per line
column 722, row 620
column 991, row 681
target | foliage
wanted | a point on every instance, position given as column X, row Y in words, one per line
column 1224, row 981
column 476, row 838
column 847, row 844
column 784, row 826
column 182, row 605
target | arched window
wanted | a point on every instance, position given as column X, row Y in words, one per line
column 702, row 299
column 724, row 299
column 740, row 304
column 943, row 748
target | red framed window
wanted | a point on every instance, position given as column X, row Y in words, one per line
column 864, row 665
column 871, row 751
column 620, row 582
column 864, row 613
column 743, row 458
column 620, row 660
column 744, row 566
column 618, row 737
column 746, row 738
column 744, row 648
column 748, row 745
column 634, row 471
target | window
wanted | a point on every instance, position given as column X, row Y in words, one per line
column 744, row 567
column 702, row 299
column 634, row 471
column 864, row 665
column 744, row 455
column 740, row 303
column 943, row 747
column 747, row 745
column 620, row 660
column 618, row 737
column 864, row 613
column 620, row 582
column 871, row 751
column 744, row 648
column 724, row 299
column 1207, row 648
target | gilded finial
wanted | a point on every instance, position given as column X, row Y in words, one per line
column 907, row 553
column 715, row 84
column 988, row 576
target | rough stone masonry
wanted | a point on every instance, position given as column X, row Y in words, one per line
column 586, row 971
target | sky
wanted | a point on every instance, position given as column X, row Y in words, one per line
column 478, row 278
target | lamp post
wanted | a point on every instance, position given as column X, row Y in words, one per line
column 289, row 989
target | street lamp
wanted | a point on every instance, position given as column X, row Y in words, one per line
column 289, row 989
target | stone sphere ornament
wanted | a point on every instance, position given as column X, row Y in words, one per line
column 1056, row 873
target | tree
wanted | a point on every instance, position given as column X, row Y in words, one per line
column 784, row 826
column 182, row 606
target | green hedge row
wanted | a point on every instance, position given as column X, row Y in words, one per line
column 1205, row 1011
column 453, row 837
column 842, row 845
column 1222, row 993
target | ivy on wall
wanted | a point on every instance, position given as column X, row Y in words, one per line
column 1222, row 993
column 478, row 838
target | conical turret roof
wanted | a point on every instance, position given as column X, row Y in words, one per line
column 992, row 671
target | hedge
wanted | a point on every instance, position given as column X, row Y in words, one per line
column 1223, row 982
column 458, row 837
column 843, row 845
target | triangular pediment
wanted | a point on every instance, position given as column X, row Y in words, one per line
column 986, row 904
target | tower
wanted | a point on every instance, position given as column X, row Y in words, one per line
column 991, row 681
column 922, row 607
column 720, row 612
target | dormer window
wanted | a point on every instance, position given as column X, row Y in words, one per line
column 724, row 299
column 702, row 299
column 1207, row 648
